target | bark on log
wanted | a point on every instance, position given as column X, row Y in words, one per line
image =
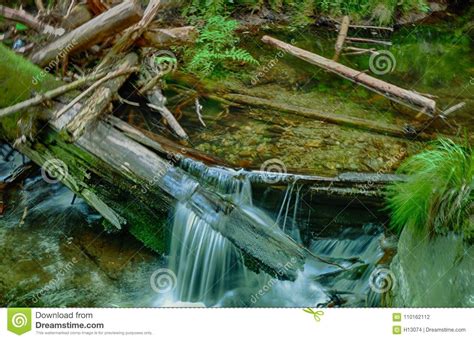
column 341, row 36
column 326, row 117
column 392, row 92
column 99, row 28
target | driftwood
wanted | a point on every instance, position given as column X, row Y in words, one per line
column 30, row 21
column 163, row 38
column 341, row 37
column 94, row 86
column 157, row 102
column 101, row 99
column 383, row 28
column 97, row 29
column 364, row 124
column 392, row 92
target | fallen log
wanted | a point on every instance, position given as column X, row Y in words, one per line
column 100, row 100
column 341, row 37
column 129, row 36
column 359, row 123
column 97, row 29
column 30, row 21
column 390, row 91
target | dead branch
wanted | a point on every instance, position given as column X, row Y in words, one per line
column 98, row 29
column 40, row 98
column 30, row 21
column 341, row 37
column 359, row 123
column 390, row 91
column 131, row 34
column 100, row 100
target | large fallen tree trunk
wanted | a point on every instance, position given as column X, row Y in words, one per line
column 127, row 183
column 99, row 28
column 392, row 92
column 99, row 101
column 364, row 124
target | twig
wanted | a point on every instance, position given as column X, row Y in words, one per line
column 372, row 27
column 452, row 109
column 39, row 5
column 198, row 111
column 369, row 41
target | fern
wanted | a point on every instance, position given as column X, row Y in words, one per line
column 216, row 48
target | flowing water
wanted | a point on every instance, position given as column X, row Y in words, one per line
column 210, row 271
column 56, row 253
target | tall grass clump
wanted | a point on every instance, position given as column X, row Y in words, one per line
column 437, row 196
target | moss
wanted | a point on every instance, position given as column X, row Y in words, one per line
column 19, row 78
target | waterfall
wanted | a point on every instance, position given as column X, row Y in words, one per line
column 210, row 270
column 206, row 264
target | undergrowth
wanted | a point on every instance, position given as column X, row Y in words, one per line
column 302, row 11
column 216, row 48
column 438, row 194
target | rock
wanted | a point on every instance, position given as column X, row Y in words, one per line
column 434, row 272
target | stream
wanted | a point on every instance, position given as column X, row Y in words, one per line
column 56, row 252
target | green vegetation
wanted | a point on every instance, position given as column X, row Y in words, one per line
column 438, row 195
column 19, row 78
column 381, row 11
column 216, row 49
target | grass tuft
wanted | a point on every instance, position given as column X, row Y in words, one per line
column 437, row 196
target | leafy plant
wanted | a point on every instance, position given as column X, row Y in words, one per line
column 216, row 48
column 301, row 11
column 438, row 194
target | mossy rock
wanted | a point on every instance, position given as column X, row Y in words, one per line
column 435, row 272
